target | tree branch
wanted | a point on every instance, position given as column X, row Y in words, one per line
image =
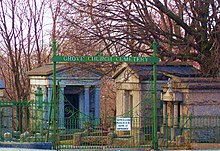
column 174, row 17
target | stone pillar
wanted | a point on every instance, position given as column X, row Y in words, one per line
column 81, row 102
column 164, row 126
column 175, row 114
column 164, row 112
column 81, row 108
column 124, row 102
column 181, row 115
column 44, row 91
column 97, row 102
column 61, row 108
column 86, row 99
column 49, row 95
column 170, row 113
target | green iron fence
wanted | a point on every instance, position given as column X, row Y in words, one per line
column 101, row 133
column 23, row 121
column 28, row 121
column 94, row 135
column 205, row 129
column 190, row 130
column 85, row 132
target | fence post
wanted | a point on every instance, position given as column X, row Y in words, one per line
column 155, row 139
column 39, row 103
column 54, row 95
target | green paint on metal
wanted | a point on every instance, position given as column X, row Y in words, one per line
column 33, row 121
column 152, row 60
column 92, row 134
column 155, row 139
column 39, row 98
column 105, row 59
column 55, row 108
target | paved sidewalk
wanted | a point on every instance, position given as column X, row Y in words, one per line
column 23, row 149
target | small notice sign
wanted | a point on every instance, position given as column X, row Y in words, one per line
column 123, row 124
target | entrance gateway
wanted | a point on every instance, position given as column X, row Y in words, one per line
column 153, row 60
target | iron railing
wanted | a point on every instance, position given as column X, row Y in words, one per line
column 28, row 121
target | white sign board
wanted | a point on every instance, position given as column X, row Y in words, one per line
column 123, row 124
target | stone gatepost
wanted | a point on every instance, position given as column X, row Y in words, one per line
column 77, row 138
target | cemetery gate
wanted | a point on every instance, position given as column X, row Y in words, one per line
column 78, row 137
column 37, row 120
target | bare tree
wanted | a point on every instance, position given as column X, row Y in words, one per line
column 186, row 30
column 22, row 43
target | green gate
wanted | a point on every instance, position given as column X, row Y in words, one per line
column 87, row 132
column 54, row 120
column 95, row 133
column 37, row 120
